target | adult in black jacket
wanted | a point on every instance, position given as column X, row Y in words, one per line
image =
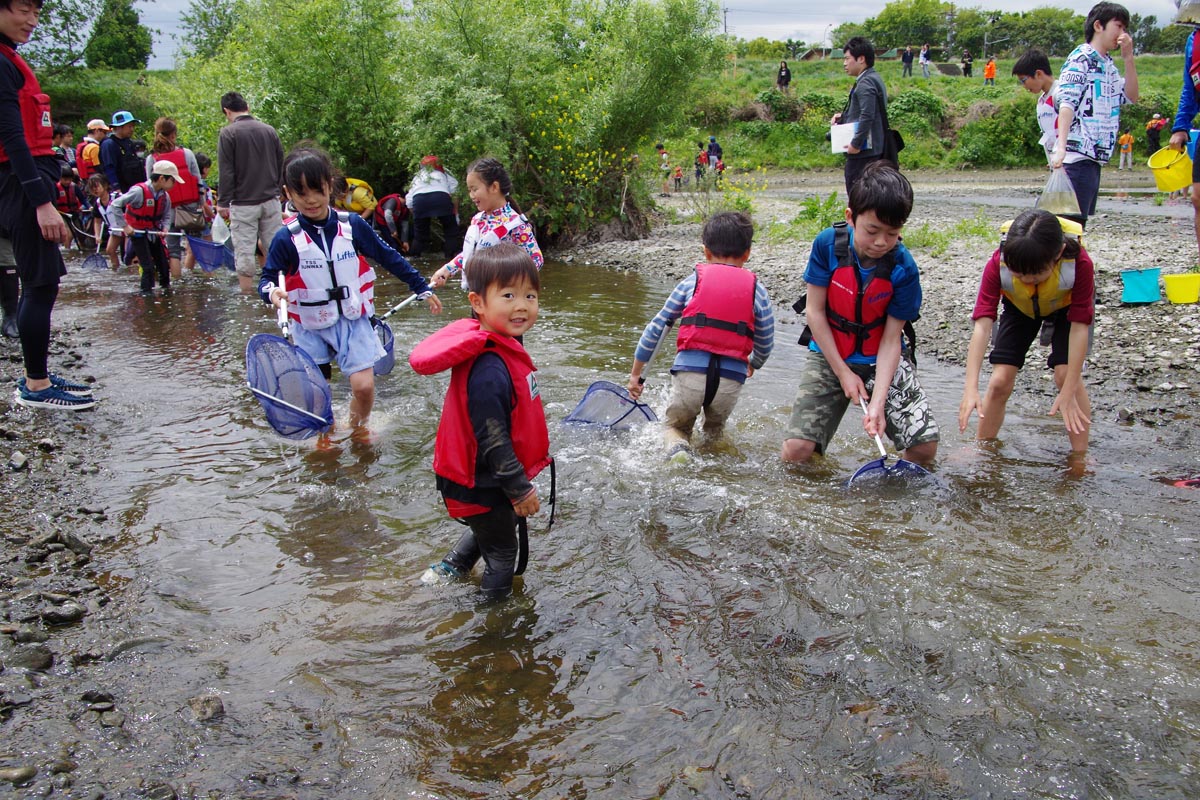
column 867, row 106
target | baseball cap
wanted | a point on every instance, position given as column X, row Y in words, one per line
column 98, row 124
column 1158, row 116
column 123, row 118
column 166, row 168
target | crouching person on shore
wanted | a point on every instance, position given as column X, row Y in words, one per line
column 1040, row 272
column 863, row 292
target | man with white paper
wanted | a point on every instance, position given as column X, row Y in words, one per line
column 866, row 106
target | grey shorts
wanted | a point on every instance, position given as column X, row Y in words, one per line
column 821, row 403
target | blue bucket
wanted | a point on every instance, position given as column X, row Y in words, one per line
column 1191, row 145
column 1140, row 285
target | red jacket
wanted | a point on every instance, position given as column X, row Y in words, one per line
column 455, row 347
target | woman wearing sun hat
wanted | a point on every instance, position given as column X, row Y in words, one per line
column 431, row 196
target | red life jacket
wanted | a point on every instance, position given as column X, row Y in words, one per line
column 1194, row 64
column 35, row 110
column 147, row 216
column 67, row 201
column 184, row 193
column 399, row 213
column 846, row 289
column 857, row 308
column 455, row 347
column 720, row 316
column 85, row 170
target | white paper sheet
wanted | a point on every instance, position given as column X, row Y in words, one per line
column 840, row 136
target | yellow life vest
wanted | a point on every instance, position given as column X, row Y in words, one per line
column 359, row 197
column 1051, row 295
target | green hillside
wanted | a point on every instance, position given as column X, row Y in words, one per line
column 947, row 122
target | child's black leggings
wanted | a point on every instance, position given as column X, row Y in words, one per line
column 152, row 255
column 33, row 321
column 494, row 537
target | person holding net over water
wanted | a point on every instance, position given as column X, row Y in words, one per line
column 316, row 266
column 863, row 287
column 726, row 332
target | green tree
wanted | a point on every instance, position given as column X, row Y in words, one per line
column 1054, row 31
column 908, row 22
column 61, row 35
column 207, row 23
column 119, row 39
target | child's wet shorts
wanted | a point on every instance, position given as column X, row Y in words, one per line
column 821, row 403
column 351, row 343
column 1016, row 332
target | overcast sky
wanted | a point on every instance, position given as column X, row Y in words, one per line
column 747, row 19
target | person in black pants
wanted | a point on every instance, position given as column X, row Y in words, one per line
column 29, row 169
column 430, row 197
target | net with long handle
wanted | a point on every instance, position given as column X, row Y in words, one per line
column 607, row 405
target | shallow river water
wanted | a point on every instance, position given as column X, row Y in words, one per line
column 723, row 628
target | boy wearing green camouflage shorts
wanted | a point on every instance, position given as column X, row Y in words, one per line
column 863, row 292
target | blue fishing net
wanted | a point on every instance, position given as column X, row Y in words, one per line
column 290, row 387
column 608, row 405
column 386, row 338
column 210, row 255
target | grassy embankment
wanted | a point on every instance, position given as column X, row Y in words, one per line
column 947, row 122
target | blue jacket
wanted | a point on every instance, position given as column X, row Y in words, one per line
column 1188, row 105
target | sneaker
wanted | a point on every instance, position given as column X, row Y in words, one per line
column 53, row 397
column 439, row 573
column 57, row 382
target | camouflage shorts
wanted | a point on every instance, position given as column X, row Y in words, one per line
column 820, row 405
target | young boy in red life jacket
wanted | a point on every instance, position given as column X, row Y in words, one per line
column 863, row 287
column 144, row 214
column 492, row 439
column 726, row 332
column 69, row 200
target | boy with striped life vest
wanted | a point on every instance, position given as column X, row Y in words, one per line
column 317, row 266
column 726, row 332
column 1040, row 271
column 492, row 439
column 87, row 152
column 144, row 214
column 863, row 291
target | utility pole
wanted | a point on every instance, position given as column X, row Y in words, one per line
column 725, row 17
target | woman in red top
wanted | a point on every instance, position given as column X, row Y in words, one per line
column 29, row 169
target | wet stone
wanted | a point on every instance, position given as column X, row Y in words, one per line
column 101, row 707
column 18, row 776
column 47, row 445
column 63, row 765
column 64, row 614
column 112, row 719
column 34, row 657
column 159, row 791
column 206, row 706
column 27, row 634
column 18, row 461
column 96, row 696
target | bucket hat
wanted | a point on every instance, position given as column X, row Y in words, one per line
column 123, row 118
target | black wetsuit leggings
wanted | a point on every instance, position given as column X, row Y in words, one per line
column 33, row 321
column 152, row 255
column 492, row 536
